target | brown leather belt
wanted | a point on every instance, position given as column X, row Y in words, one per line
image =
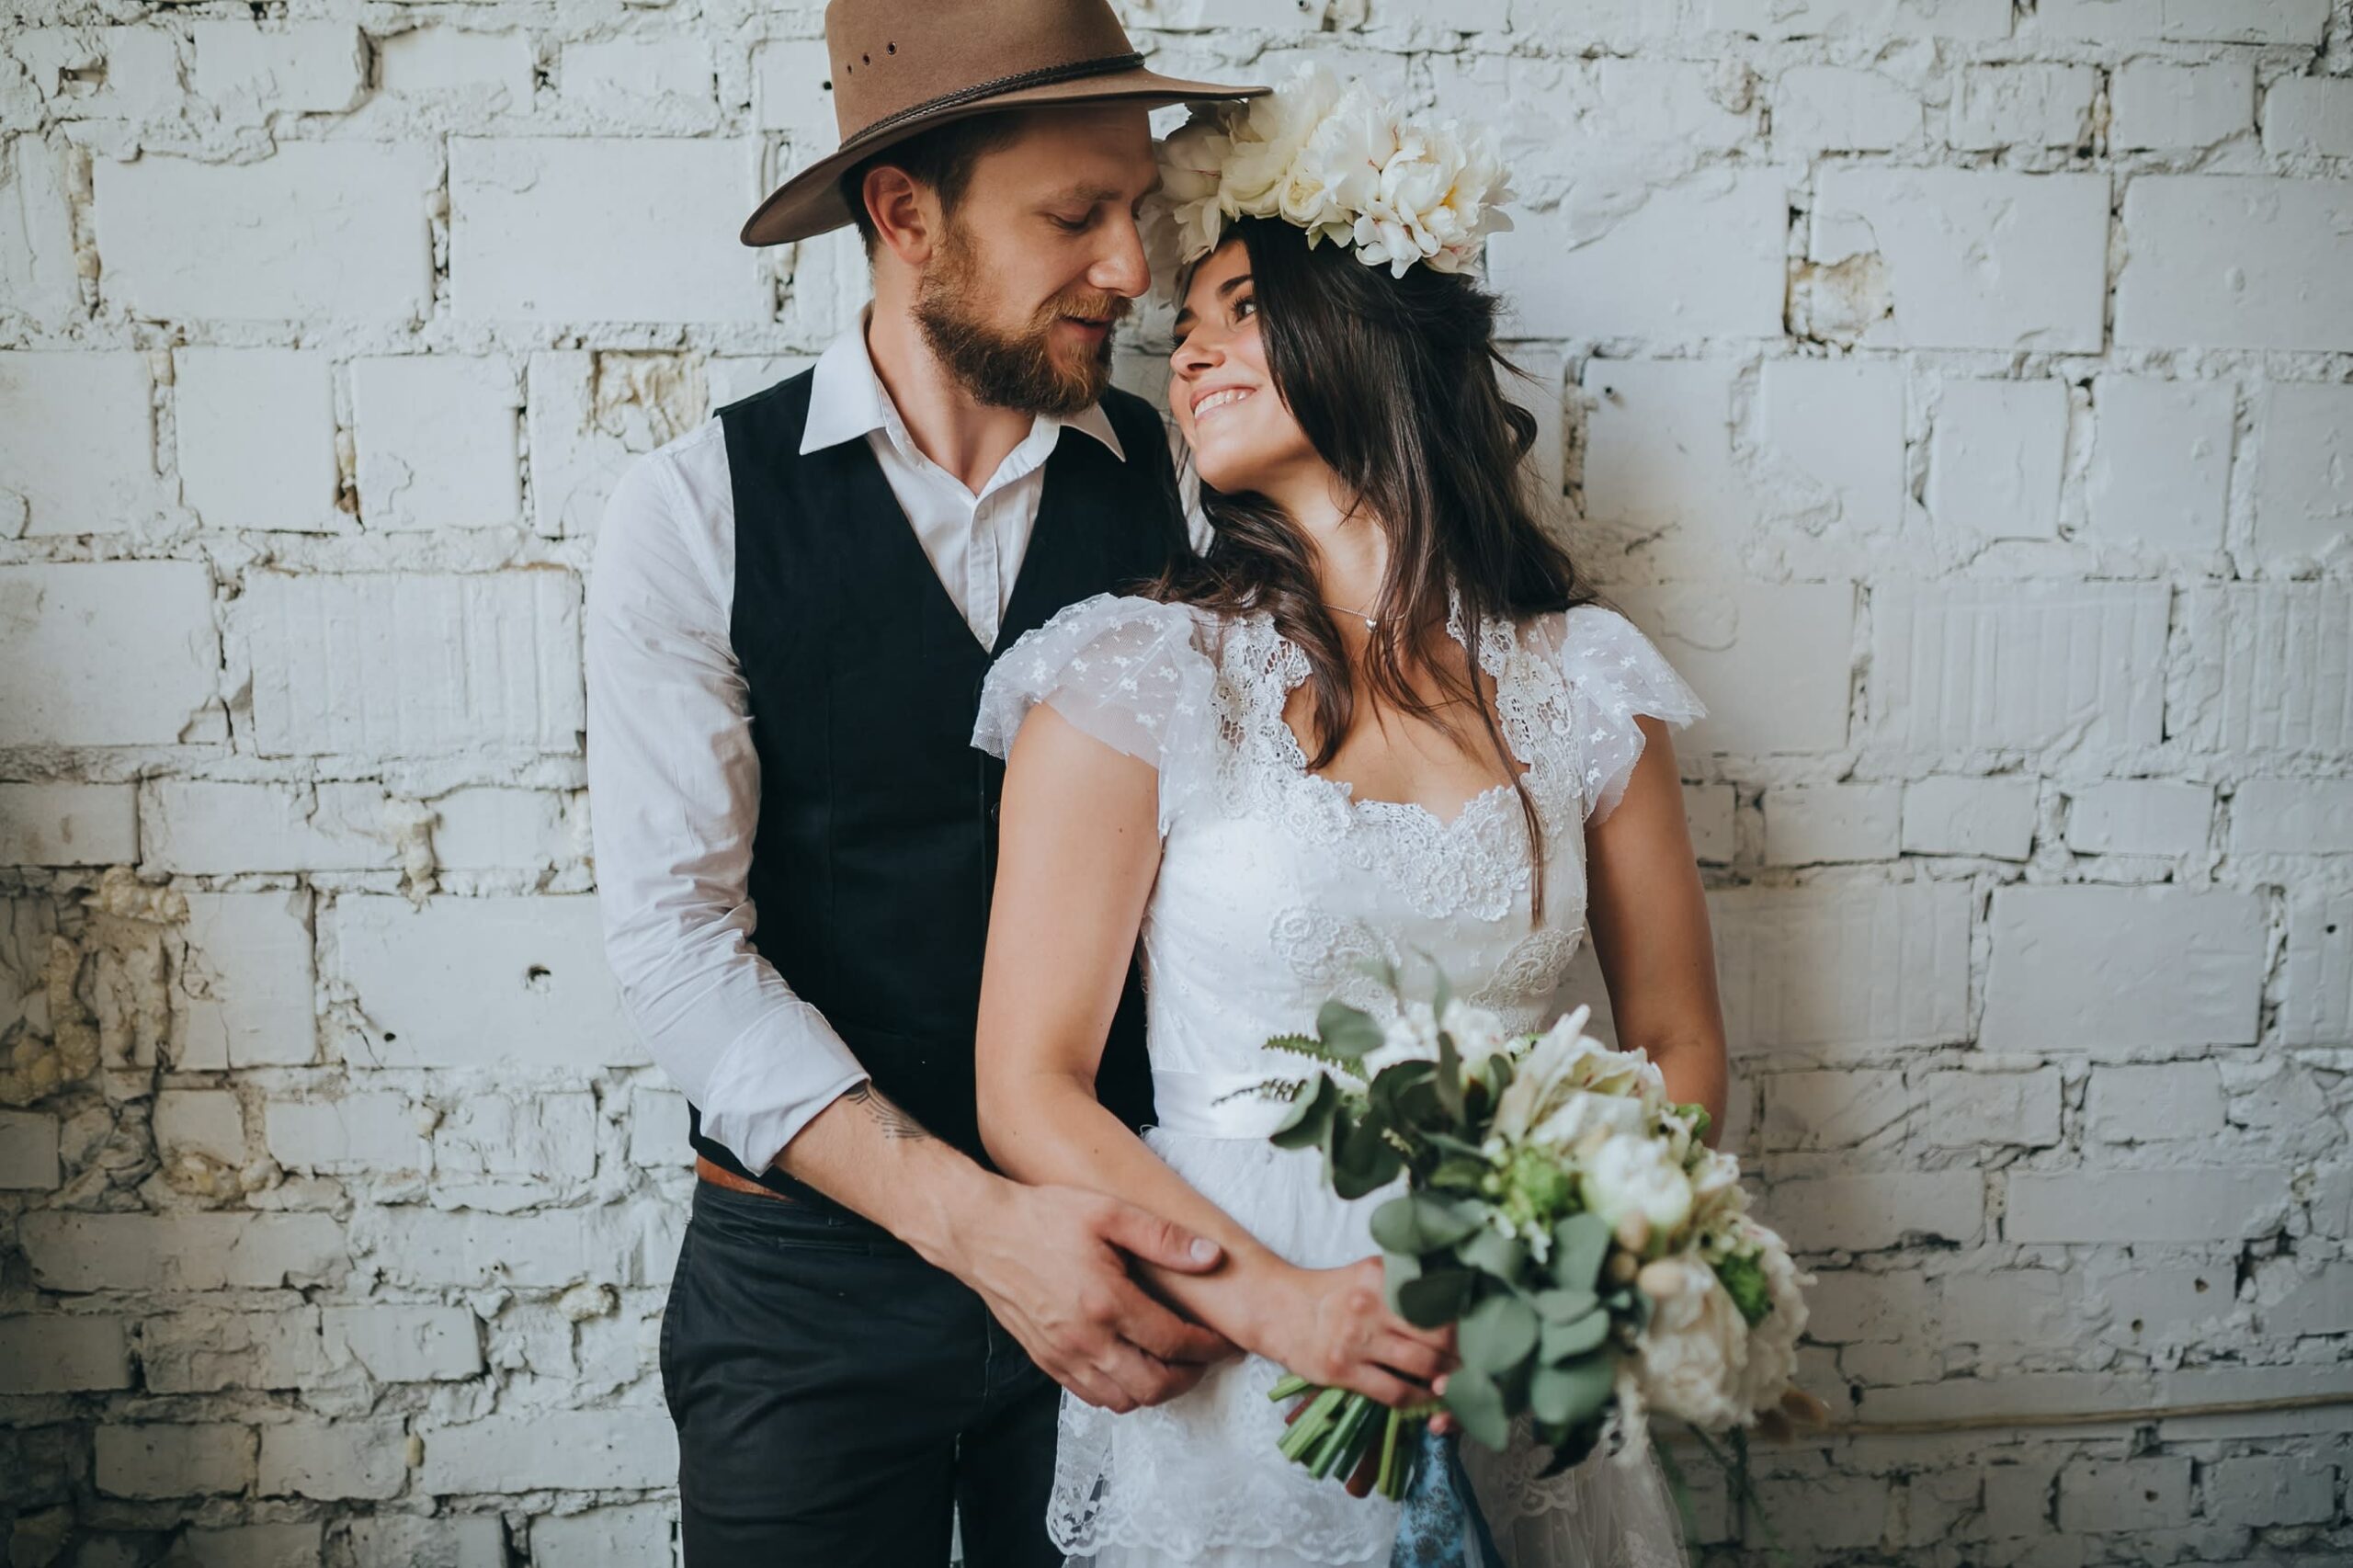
column 719, row 1175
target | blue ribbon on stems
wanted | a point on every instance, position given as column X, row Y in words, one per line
column 1441, row 1525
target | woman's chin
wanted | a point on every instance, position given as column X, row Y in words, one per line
column 1227, row 472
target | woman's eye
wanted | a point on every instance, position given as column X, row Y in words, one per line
column 1244, row 309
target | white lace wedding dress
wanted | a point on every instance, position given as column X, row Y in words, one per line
column 1274, row 884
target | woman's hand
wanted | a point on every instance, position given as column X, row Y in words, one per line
column 1333, row 1327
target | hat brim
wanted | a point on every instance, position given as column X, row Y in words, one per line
column 810, row 202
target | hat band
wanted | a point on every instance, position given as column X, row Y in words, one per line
column 1102, row 66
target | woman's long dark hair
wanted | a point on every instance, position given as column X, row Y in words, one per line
column 1395, row 382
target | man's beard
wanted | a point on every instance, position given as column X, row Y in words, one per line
column 1020, row 369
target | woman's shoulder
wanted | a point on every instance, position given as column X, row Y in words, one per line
column 1127, row 668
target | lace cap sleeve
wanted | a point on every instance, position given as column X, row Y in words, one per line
column 1614, row 674
column 1125, row 670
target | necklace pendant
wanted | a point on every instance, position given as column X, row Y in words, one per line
column 1370, row 624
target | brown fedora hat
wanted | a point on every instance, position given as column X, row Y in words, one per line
column 901, row 66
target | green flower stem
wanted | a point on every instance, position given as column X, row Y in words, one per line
column 1312, row 1425
column 1355, row 1416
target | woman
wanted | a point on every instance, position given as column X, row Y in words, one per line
column 1287, row 761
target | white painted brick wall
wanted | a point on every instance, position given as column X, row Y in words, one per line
column 1961, row 391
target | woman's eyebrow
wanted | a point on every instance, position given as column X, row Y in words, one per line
column 1226, row 289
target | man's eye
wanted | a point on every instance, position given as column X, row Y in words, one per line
column 1067, row 225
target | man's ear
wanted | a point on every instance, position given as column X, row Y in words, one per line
column 905, row 213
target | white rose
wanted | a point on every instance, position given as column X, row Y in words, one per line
column 1632, row 1175
column 1581, row 1115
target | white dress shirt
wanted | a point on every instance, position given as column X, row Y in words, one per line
column 673, row 780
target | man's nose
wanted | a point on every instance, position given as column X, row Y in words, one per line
column 1122, row 268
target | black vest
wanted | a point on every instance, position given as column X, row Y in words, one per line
column 876, row 848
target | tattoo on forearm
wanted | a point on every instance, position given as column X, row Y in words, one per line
column 895, row 1122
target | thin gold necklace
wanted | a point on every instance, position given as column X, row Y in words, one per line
column 1371, row 623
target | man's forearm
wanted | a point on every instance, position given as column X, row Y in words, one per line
column 868, row 1155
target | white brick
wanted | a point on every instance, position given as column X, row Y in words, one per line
column 590, row 413
column 2101, row 1496
column 1831, row 1110
column 1707, row 813
column 200, row 1121
column 438, row 439
column 1979, row 259
column 2140, row 816
column 636, row 1537
column 107, row 653
column 2219, row 21
column 2174, row 1205
column 206, row 1351
column 333, row 1459
column 180, row 1252
column 493, row 71
column 257, row 437
column 2233, row 261
column 57, row 1353
column 553, row 1248
column 2160, row 461
column 2085, row 966
column 2152, row 104
column 406, row 1345
column 1999, row 449
column 1807, row 18
column 1858, row 967
column 573, row 1451
column 735, row 377
column 1805, row 824
column 792, row 91
column 1865, row 1213
column 465, row 1540
column 2268, row 670
column 208, row 827
column 2316, row 1005
column 488, row 1136
column 187, row 241
column 1849, row 1306
column 657, row 1128
column 668, row 262
column 1660, row 479
column 2022, row 106
column 2157, row 1104
column 28, row 1152
column 164, row 1461
column 1773, row 662
column 68, row 825
column 304, row 66
column 2257, row 1490
column 471, row 981
column 414, row 665
column 1993, row 817
column 662, row 80
column 2292, row 816
column 489, row 829
column 2309, row 115
column 36, row 259
column 2317, row 1303
column 1588, row 274
column 2303, row 485
column 246, row 994
column 1832, row 109
column 379, row 1134
column 252, row 1546
column 1960, row 666
column 1840, row 423
column 77, row 442
column 1967, row 1110
column 2009, row 1311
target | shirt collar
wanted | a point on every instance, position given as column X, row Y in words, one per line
column 847, row 400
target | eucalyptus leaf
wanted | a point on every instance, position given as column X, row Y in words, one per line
column 1478, row 1403
column 1397, row 1272
column 1567, row 1341
column 1563, row 1306
column 1496, row 1335
column 1565, row 1395
column 1348, row 1030
column 1493, row 1252
column 1580, row 1243
column 1366, row 1162
column 1420, row 1224
column 1311, row 1114
column 1433, row 1299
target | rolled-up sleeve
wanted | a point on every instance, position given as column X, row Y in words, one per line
column 674, row 791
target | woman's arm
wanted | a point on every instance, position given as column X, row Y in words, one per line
column 1650, row 931
column 1079, row 851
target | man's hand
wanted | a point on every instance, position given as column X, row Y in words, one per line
column 1052, row 1263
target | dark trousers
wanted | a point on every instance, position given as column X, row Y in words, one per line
column 836, row 1396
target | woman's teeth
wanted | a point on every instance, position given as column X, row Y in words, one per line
column 1219, row 400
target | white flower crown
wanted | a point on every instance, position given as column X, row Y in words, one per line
column 1341, row 164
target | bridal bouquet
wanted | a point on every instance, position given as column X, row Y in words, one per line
column 1596, row 1259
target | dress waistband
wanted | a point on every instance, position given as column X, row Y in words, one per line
column 1214, row 1104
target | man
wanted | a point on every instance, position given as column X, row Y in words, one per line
column 791, row 613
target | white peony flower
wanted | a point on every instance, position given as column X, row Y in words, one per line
column 1692, row 1360
column 1631, row 1174
column 1478, row 1033
column 1345, row 166
column 1773, row 1343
